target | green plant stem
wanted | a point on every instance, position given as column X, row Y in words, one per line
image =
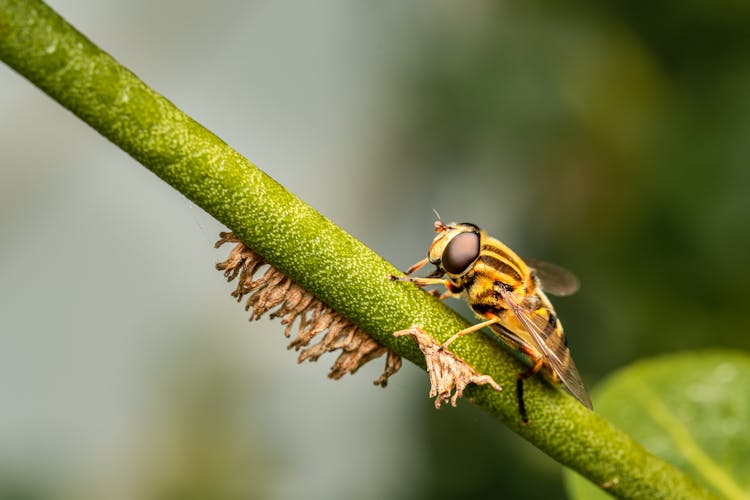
column 318, row 255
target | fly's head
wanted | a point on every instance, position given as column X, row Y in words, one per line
column 455, row 248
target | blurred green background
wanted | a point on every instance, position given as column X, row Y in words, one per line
column 610, row 137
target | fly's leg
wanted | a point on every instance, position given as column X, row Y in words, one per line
column 431, row 279
column 471, row 329
column 420, row 282
column 519, row 388
column 442, row 296
column 416, row 267
column 434, row 278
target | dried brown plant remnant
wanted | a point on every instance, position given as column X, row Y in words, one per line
column 276, row 293
column 448, row 374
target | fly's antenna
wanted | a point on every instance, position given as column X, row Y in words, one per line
column 439, row 226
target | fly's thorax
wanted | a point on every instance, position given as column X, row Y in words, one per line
column 507, row 266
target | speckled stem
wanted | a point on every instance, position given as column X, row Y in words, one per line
column 302, row 243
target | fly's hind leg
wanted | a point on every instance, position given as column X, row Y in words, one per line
column 519, row 388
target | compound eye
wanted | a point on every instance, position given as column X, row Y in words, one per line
column 462, row 250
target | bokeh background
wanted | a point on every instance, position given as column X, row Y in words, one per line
column 610, row 137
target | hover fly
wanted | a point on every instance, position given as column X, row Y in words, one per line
column 507, row 293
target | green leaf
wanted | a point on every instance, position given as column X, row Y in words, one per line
column 690, row 409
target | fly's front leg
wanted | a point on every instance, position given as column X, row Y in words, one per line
column 421, row 281
column 437, row 273
column 450, row 289
column 434, row 278
column 416, row 267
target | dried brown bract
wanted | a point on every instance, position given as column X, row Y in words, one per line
column 448, row 374
column 276, row 293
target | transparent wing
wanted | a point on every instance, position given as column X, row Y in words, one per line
column 556, row 355
column 553, row 278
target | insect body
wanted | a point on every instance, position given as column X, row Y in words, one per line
column 507, row 293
